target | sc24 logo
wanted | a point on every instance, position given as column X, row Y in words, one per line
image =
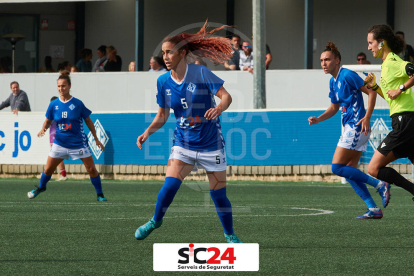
column 228, row 255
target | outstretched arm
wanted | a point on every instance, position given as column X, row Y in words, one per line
column 331, row 111
column 159, row 120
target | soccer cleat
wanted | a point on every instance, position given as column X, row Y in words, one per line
column 384, row 192
column 101, row 198
column 146, row 229
column 232, row 238
column 34, row 193
column 62, row 178
column 371, row 215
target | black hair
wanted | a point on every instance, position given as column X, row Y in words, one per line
column 61, row 66
column 159, row 60
column 86, row 52
column 102, row 48
column 331, row 47
column 362, row 54
column 400, row 32
column 384, row 32
column 234, row 35
column 53, row 98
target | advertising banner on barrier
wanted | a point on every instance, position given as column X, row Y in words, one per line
column 252, row 138
column 19, row 143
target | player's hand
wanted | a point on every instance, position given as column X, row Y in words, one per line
column 100, row 145
column 141, row 139
column 313, row 120
column 370, row 80
column 365, row 125
column 41, row 133
column 393, row 94
column 15, row 111
column 212, row 113
column 250, row 70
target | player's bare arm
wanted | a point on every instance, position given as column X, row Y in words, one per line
column 158, row 122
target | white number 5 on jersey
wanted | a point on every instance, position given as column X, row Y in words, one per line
column 185, row 106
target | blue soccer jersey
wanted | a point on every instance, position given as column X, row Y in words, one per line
column 68, row 117
column 345, row 90
column 190, row 100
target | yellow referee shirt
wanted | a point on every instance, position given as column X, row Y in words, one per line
column 393, row 74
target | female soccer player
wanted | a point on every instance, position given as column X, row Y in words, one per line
column 189, row 90
column 396, row 90
column 70, row 140
column 52, row 134
column 345, row 93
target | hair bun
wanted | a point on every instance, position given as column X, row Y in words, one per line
column 64, row 73
column 331, row 46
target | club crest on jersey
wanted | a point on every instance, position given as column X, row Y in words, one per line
column 339, row 84
column 191, row 87
column 168, row 92
column 72, row 107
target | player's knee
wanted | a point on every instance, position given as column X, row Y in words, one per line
column 48, row 171
column 91, row 170
column 337, row 169
column 372, row 170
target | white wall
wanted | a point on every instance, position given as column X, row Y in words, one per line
column 135, row 91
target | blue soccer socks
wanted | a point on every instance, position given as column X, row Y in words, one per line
column 166, row 196
column 96, row 182
column 354, row 174
column 43, row 180
column 362, row 190
column 223, row 208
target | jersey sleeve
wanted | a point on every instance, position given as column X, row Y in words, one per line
column 401, row 72
column 49, row 112
column 85, row 112
column 354, row 80
column 212, row 82
column 332, row 95
column 160, row 95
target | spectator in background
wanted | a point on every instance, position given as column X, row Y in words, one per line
column 48, row 66
column 408, row 53
column 131, row 66
column 85, row 63
column 362, row 59
column 101, row 61
column 2, row 70
column 233, row 63
column 157, row 64
column 114, row 62
column 246, row 58
column 64, row 66
column 74, row 69
column 269, row 56
column 17, row 100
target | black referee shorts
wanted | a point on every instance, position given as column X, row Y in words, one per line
column 401, row 139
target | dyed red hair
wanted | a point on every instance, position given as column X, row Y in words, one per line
column 202, row 44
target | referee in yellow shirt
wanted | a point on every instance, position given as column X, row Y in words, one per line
column 396, row 90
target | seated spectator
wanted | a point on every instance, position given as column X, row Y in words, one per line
column 269, row 56
column 48, row 66
column 362, row 58
column 199, row 61
column 74, row 69
column 233, row 63
column 131, row 66
column 408, row 53
column 85, row 63
column 101, row 61
column 64, row 66
column 157, row 64
column 246, row 58
column 18, row 100
column 114, row 62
